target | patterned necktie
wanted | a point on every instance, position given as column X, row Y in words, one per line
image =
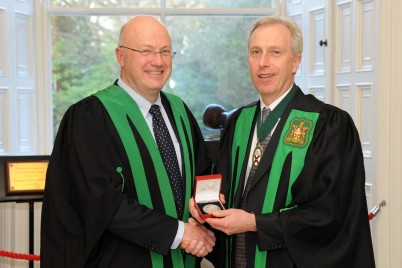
column 240, row 245
column 169, row 157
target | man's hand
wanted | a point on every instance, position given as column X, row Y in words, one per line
column 195, row 213
column 233, row 221
column 197, row 239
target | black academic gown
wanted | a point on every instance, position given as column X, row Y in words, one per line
column 329, row 226
column 87, row 220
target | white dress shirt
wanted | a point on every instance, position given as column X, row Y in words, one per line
column 144, row 106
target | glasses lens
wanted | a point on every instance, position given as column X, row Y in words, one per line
column 146, row 52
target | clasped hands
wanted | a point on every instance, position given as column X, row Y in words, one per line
column 197, row 239
column 229, row 221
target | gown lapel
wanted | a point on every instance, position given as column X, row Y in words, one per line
column 269, row 152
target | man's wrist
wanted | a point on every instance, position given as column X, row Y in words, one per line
column 179, row 235
column 253, row 223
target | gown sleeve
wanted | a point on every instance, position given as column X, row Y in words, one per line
column 83, row 191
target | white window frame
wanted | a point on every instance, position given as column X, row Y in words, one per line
column 43, row 13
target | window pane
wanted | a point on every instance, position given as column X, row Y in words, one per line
column 82, row 58
column 160, row 3
column 218, row 3
column 106, row 3
column 211, row 65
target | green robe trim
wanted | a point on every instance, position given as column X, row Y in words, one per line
column 239, row 148
column 239, row 144
column 290, row 142
column 120, row 106
column 182, row 122
column 295, row 138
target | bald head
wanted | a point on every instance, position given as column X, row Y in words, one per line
column 142, row 24
column 144, row 64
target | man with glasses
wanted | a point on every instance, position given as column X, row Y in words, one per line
column 122, row 168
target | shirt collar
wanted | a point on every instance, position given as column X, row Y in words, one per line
column 276, row 102
column 143, row 104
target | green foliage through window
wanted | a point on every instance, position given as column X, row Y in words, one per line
column 211, row 64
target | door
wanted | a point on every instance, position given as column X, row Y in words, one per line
column 355, row 80
column 338, row 68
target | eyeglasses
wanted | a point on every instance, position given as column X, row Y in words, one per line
column 166, row 52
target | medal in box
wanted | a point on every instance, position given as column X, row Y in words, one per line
column 206, row 194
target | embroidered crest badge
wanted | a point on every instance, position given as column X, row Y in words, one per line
column 257, row 155
column 298, row 132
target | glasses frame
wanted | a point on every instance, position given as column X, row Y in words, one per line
column 144, row 52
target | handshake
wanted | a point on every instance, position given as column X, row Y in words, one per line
column 199, row 241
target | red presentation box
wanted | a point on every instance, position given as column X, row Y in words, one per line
column 206, row 194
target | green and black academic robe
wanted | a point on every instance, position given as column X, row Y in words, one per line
column 108, row 201
column 308, row 192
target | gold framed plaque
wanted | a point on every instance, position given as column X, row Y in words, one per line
column 26, row 177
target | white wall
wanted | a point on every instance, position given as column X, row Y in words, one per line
column 389, row 134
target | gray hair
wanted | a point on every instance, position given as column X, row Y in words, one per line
column 297, row 36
